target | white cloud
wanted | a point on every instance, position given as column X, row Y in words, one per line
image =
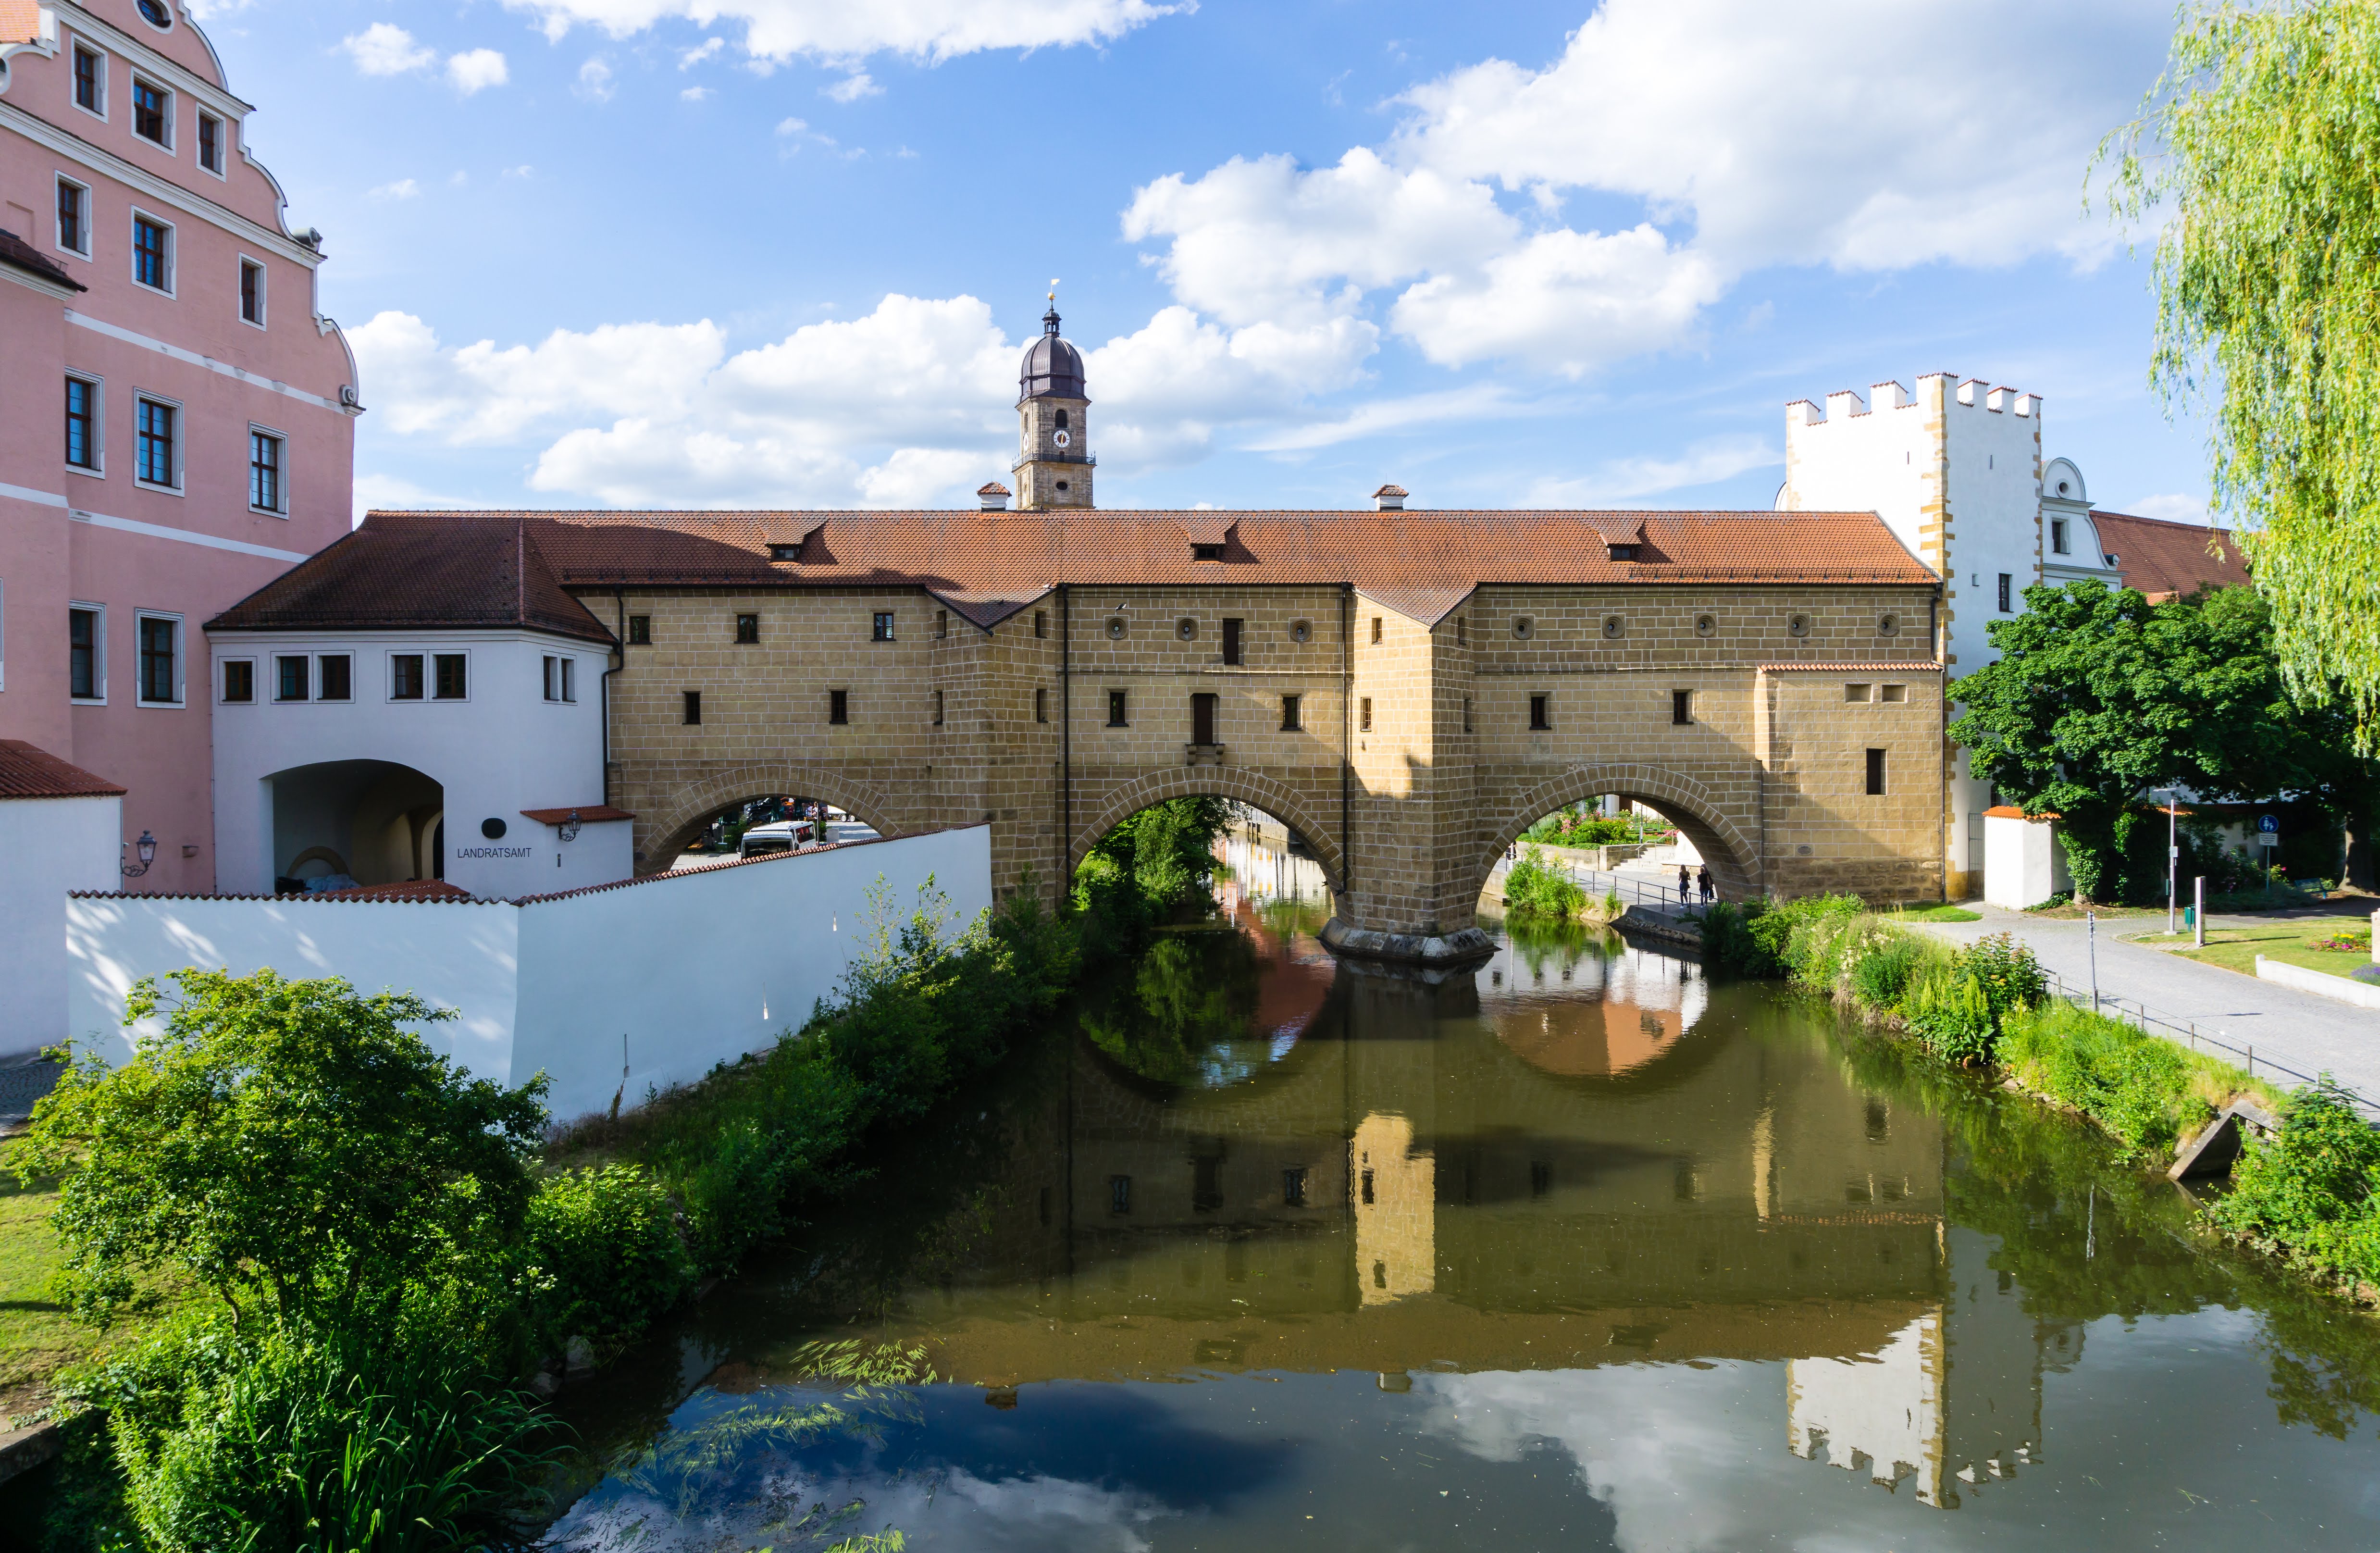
column 694, row 93
column 403, row 188
column 478, row 394
column 779, row 30
column 595, row 81
column 1384, row 416
column 477, row 70
column 384, row 49
column 1564, row 301
column 2175, row 508
column 1165, row 389
column 854, row 87
column 687, row 59
column 1628, row 480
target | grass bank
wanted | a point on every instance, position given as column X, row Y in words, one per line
column 2310, row 1194
column 2334, row 945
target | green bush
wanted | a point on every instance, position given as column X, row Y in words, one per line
column 608, row 1253
column 2011, row 977
column 1949, row 1011
column 1532, row 889
column 2314, row 1188
column 2136, row 1086
column 1883, row 973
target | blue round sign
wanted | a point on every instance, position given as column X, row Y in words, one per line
column 2269, row 825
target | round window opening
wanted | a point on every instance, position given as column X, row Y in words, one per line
column 1706, row 625
column 492, row 829
column 1886, row 625
column 157, row 13
column 2061, row 487
column 1797, row 624
column 1523, row 627
column 1187, row 630
column 1115, row 627
column 1614, row 627
column 1301, row 631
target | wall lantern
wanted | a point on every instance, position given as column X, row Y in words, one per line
column 570, row 827
column 147, row 847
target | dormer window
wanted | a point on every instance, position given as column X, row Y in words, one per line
column 785, row 552
column 1206, row 552
column 1623, row 552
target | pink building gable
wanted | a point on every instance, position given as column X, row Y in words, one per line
column 175, row 415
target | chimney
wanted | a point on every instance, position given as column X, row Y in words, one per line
column 1390, row 498
column 994, row 496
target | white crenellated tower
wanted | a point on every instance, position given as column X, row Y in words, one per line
column 1053, row 455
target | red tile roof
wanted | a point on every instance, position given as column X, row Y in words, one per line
column 2163, row 559
column 20, row 21
column 587, row 814
column 418, row 568
column 22, row 255
column 414, row 571
column 1897, row 666
column 27, row 771
column 408, row 889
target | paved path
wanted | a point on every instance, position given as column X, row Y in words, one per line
column 2312, row 1034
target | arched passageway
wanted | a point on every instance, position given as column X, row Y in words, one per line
column 1250, row 788
column 344, row 822
column 1731, row 855
column 660, row 839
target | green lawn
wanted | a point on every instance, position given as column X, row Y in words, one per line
column 1937, row 914
column 2292, row 942
column 36, row 1336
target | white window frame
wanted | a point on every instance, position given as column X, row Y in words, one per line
column 181, row 441
column 558, row 679
column 173, row 253
column 98, row 386
column 105, row 59
column 248, row 457
column 99, row 656
column 59, row 228
column 263, row 295
column 169, row 17
column 181, row 659
column 320, row 682
column 255, row 683
column 170, row 145
column 223, row 145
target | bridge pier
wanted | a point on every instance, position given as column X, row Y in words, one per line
column 1463, row 946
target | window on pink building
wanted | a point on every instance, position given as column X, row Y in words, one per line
column 152, row 112
column 90, row 80
column 156, row 456
column 82, row 423
column 83, row 642
column 74, row 218
column 252, row 292
column 153, row 253
column 161, row 676
column 265, row 451
column 211, row 143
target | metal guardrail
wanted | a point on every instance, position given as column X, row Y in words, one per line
column 2188, row 1030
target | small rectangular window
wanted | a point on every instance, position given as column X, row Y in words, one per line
column 1855, row 692
column 1461, row 630
column 1040, row 623
column 641, row 630
column 2006, row 586
column 90, row 81
column 1895, row 692
column 74, row 218
column 570, row 679
column 1119, row 1193
column 1290, row 710
column 1365, row 717
column 449, row 686
column 1376, row 629
column 938, row 709
column 884, row 629
column 1041, row 706
column 1466, row 714
column 252, row 292
column 693, row 710
column 338, row 671
column 1293, row 1186
column 85, row 677
column 1117, row 706
column 211, row 143
column 265, row 488
column 160, row 659
column 1681, row 708
column 239, row 680
column 1540, row 713
column 152, row 112
column 747, row 629
column 942, row 623
column 293, row 677
column 2058, row 536
column 1206, row 552
column 1202, row 718
column 1875, row 773
column 838, row 706
column 155, row 456
column 153, row 253
column 405, row 677
column 83, row 424
column 1368, row 1198
column 1232, row 641
column 552, row 678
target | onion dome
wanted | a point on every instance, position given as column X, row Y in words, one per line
column 1052, row 369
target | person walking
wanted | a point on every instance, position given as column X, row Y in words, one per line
column 1685, row 886
column 1704, row 880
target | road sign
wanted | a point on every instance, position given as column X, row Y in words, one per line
column 2268, row 824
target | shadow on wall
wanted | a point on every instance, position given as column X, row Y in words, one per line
column 354, row 823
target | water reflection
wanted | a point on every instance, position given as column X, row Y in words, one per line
column 1577, row 1249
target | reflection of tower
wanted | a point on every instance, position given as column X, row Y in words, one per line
column 1954, row 1394
column 1396, row 1225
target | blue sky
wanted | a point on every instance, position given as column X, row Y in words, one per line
column 785, row 252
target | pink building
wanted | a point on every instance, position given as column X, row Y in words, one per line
column 177, row 416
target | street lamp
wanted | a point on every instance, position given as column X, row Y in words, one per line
column 147, row 847
column 569, row 830
column 2172, row 857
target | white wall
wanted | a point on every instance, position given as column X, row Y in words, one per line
column 2023, row 862
column 693, row 968
column 48, row 847
column 501, row 749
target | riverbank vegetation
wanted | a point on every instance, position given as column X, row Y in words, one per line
column 2310, row 1193
column 1535, row 889
column 1581, row 827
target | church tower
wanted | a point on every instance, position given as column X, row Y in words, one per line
column 1054, row 456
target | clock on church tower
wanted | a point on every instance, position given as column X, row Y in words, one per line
column 1054, row 456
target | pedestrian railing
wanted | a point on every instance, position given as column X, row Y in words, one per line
column 2188, row 1032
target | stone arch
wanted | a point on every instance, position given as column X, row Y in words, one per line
column 660, row 840
column 1239, row 782
column 1733, row 858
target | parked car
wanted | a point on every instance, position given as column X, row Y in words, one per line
column 783, row 835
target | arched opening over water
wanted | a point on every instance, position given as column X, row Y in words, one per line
column 663, row 838
column 1250, row 790
column 1733, row 857
column 347, row 822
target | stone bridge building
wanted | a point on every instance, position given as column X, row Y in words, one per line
column 1407, row 690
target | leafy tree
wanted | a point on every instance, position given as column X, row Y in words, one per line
column 1151, row 867
column 286, row 1144
column 2256, row 153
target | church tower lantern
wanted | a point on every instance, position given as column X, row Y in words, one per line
column 1053, row 455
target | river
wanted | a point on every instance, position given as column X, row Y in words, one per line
column 1581, row 1250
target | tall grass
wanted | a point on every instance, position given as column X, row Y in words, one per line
column 1534, row 888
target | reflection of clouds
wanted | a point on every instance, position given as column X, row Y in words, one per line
column 957, row 1510
column 1687, row 1457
